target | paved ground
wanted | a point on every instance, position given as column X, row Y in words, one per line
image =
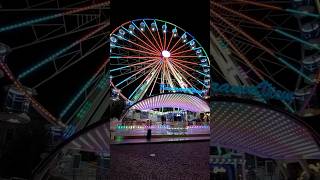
column 172, row 161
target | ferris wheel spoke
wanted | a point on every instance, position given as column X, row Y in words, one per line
column 174, row 45
column 167, row 76
column 314, row 46
column 263, row 53
column 60, row 52
column 278, row 71
column 135, row 50
column 265, row 75
column 181, row 52
column 77, row 30
column 139, row 88
column 183, row 61
column 176, row 71
column 154, row 38
column 190, row 75
column 251, row 66
column 164, row 40
column 58, row 71
column 268, row 6
column 46, row 18
column 187, row 56
column 168, row 45
column 148, row 39
column 178, row 48
column 83, row 89
column 160, row 42
column 191, row 69
column 135, row 74
column 276, row 64
column 184, row 45
column 137, row 71
column 264, row 48
column 243, row 42
column 269, row 27
column 134, row 64
column 278, row 51
column 154, row 49
column 156, row 78
column 125, row 74
column 136, row 44
column 134, row 57
column 249, row 19
column 178, row 77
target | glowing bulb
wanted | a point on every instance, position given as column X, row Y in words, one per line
column 165, row 53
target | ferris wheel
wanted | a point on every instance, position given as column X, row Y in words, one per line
column 52, row 47
column 152, row 56
column 265, row 40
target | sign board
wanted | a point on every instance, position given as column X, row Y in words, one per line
column 185, row 90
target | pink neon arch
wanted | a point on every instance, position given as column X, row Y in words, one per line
column 176, row 100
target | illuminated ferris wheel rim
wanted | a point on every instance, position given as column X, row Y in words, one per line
column 163, row 53
column 163, row 21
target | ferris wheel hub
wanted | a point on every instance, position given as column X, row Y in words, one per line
column 165, row 53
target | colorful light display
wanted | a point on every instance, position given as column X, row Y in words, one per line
column 126, row 127
column 261, row 131
column 164, row 87
column 263, row 90
column 175, row 100
column 148, row 52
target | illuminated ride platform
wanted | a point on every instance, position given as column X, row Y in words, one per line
column 189, row 119
column 161, row 133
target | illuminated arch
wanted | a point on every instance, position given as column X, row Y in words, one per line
column 175, row 100
column 261, row 130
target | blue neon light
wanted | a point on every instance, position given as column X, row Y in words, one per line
column 263, row 90
column 185, row 90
